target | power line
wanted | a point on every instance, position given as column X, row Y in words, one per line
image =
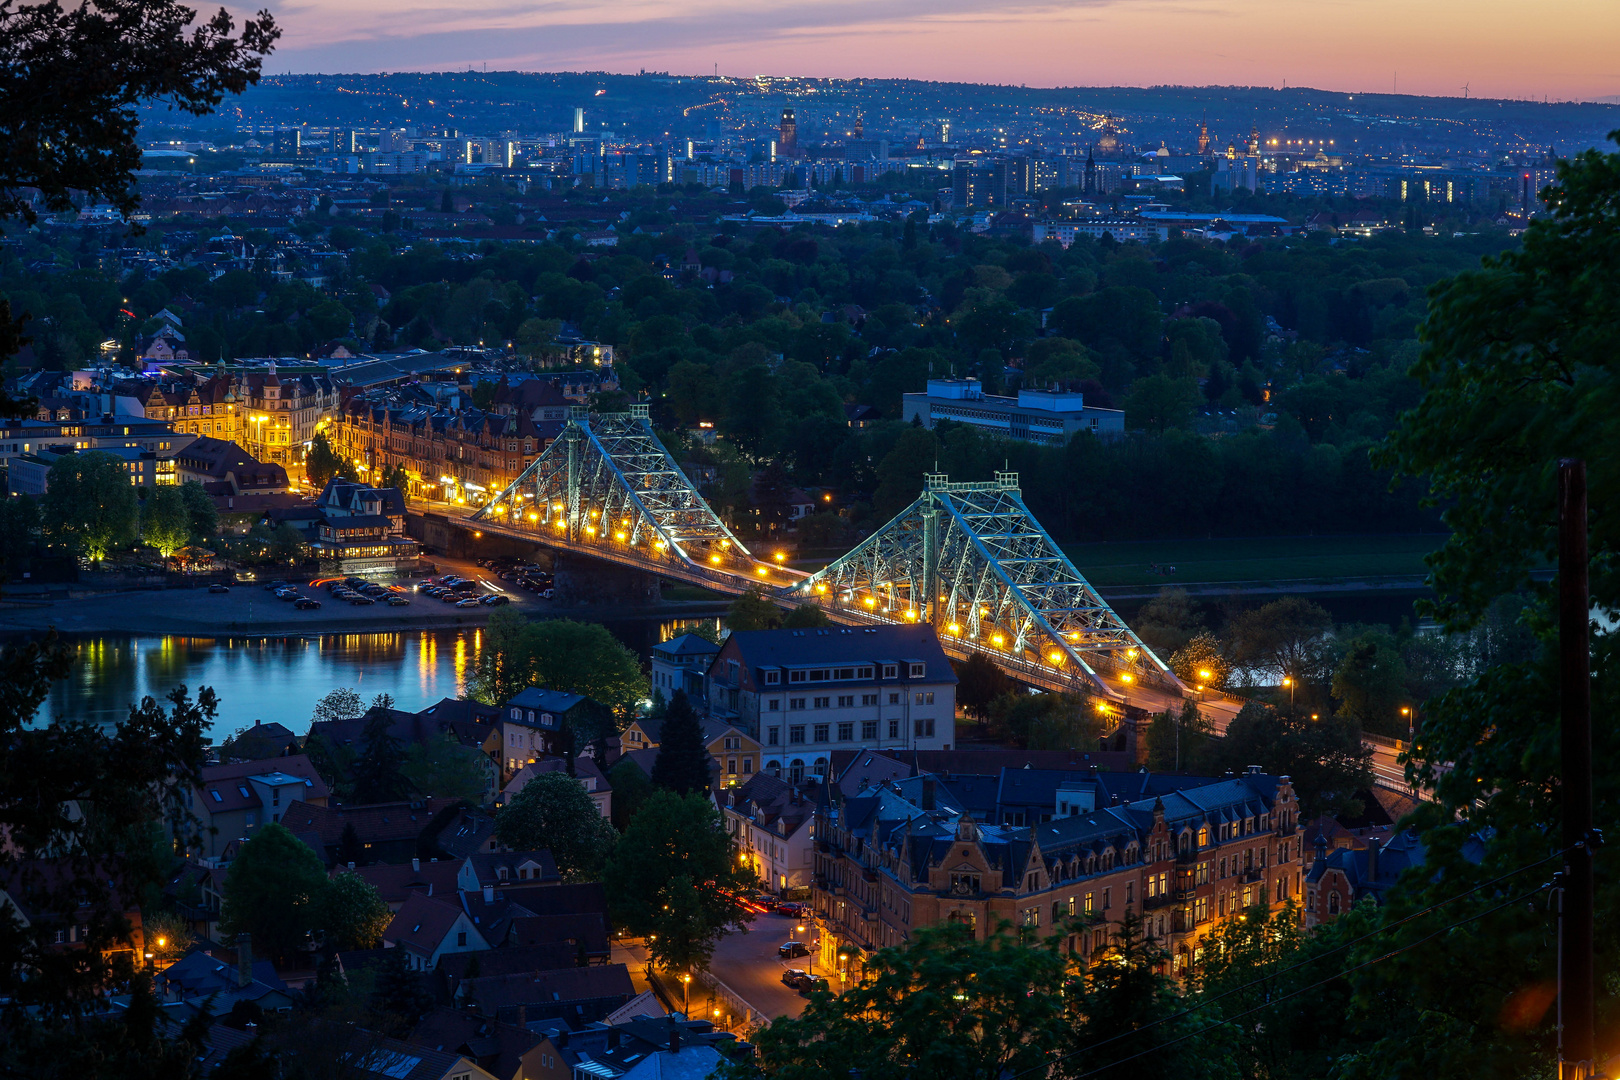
column 1318, row 956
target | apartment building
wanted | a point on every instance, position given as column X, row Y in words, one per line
column 1178, row 853
column 773, row 823
column 805, row 693
column 1050, row 418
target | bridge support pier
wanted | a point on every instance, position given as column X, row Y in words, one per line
column 582, row 582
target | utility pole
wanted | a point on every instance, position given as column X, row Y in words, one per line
column 1576, row 1011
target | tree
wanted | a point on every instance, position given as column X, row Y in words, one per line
column 340, row 704
column 631, row 789
column 979, row 683
column 554, row 812
column 1158, row 403
column 1168, row 621
column 505, row 666
column 674, row 836
column 1200, row 663
column 322, row 463
column 806, row 617
column 1370, row 682
column 352, row 913
column 286, row 543
column 1118, row 997
column 560, row 654
column 401, row 997
column 109, row 797
column 1179, row 741
column 19, row 529
column 1045, row 721
column 274, row 892
column 751, row 611
column 165, row 520
column 89, row 504
column 378, row 771
column 204, row 515
column 947, row 1004
column 683, row 760
column 1324, row 756
column 1288, row 637
column 445, row 768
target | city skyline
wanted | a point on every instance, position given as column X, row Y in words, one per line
column 1443, row 50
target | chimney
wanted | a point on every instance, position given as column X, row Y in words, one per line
column 523, row 1017
column 244, row 960
column 675, row 1038
column 613, row 1038
column 416, row 863
column 1373, row 847
column 928, row 793
column 489, row 894
column 561, row 1039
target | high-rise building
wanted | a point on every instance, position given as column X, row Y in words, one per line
column 289, row 141
column 860, row 125
column 579, row 121
column 1254, row 140
column 787, row 143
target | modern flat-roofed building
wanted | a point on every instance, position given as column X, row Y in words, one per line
column 804, row 693
column 1047, row 417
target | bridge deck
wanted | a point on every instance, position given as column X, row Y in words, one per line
column 736, row 578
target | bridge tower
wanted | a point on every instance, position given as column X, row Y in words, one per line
column 970, row 559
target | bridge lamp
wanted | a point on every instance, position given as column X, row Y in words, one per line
column 871, row 602
column 998, row 641
column 533, row 516
column 821, row 587
column 715, row 559
column 618, row 536
column 556, row 506
column 780, row 556
column 1056, row 658
column 1131, row 653
column 762, row 571
column 1127, row 678
column 590, row 530
column 954, row 628
column 725, row 543
column 1204, row 675
column 910, row 614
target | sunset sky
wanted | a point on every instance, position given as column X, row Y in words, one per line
column 1500, row 49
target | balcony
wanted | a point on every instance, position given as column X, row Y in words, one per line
column 1153, row 903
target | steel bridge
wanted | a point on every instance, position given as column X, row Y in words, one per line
column 968, row 558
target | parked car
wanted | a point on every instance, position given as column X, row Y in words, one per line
column 219, row 588
column 799, row 979
column 287, row 594
column 398, row 601
column 361, row 601
column 495, row 600
column 791, row 908
column 272, row 586
column 471, row 601
column 307, row 603
column 792, row 949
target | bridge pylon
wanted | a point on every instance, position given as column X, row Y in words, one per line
column 970, row 559
column 607, row 482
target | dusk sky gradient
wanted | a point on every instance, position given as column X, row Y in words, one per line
column 1566, row 50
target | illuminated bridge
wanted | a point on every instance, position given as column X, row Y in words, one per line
column 969, row 558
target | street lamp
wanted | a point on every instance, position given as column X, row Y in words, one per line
column 1406, row 711
column 1290, row 684
column 686, row 993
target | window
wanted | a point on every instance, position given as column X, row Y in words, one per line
column 772, row 678
column 869, row 699
column 461, row 939
column 243, row 789
column 924, row 699
column 217, row 796
column 748, row 766
column 894, row 699
column 771, row 736
column 251, row 818
column 773, row 704
column 731, row 766
column 795, row 676
column 1333, row 903
column 917, row 671
column 796, row 733
column 923, row 729
column 823, row 703
column 821, row 732
column 846, row 732
column 796, row 703
column 869, row 729
column 1130, row 892
column 1091, row 902
column 846, row 701
column 1107, row 899
column 894, row 729
column 891, row 671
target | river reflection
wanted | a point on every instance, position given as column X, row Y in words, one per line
column 279, row 679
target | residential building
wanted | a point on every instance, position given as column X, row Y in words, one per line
column 680, row 664
column 1341, row 878
column 773, row 824
column 201, row 981
column 1195, row 852
column 387, row 832
column 590, row 778
column 428, row 927
column 1049, row 418
column 284, row 413
column 531, row 722
column 34, row 894
column 236, row 799
column 361, row 530
column 224, row 468
column 641, row 1048
column 363, row 1054
column 581, row 995
column 194, row 403
column 469, row 723
column 19, row 438
column 801, row 694
column 736, row 753
column 29, row 474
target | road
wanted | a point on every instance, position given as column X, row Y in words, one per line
column 748, row 963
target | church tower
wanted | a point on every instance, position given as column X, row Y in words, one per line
column 1203, row 135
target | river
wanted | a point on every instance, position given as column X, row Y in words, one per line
column 280, row 679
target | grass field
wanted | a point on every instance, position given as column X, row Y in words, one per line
column 1255, row 559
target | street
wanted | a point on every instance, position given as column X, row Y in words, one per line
column 747, row 962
